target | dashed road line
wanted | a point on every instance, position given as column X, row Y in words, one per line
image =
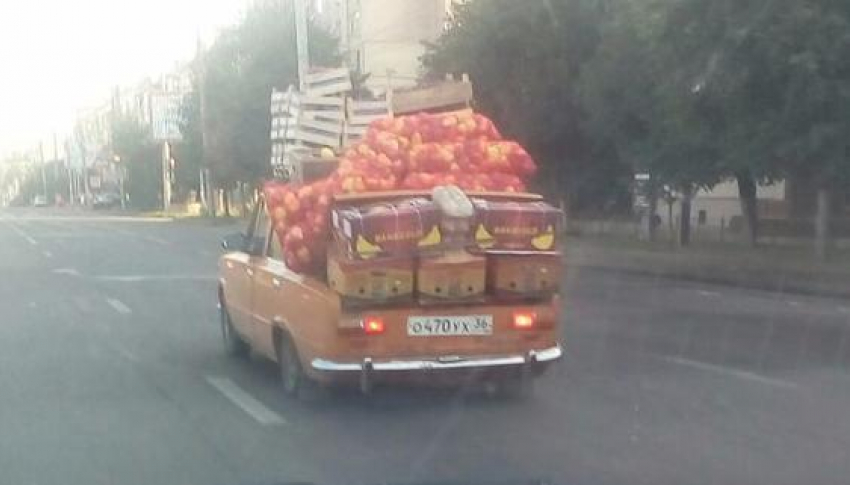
column 47, row 254
column 22, row 233
column 60, row 219
column 142, row 278
column 728, row 371
column 709, row 293
column 119, row 306
column 794, row 303
column 66, row 271
column 843, row 309
column 246, row 402
column 157, row 240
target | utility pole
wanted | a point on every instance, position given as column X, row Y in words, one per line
column 303, row 43
column 166, row 176
column 43, row 174
column 71, row 195
column 204, row 184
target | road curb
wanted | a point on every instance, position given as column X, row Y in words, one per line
column 779, row 284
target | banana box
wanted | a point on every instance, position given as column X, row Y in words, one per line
column 383, row 279
column 524, row 275
column 455, row 275
column 400, row 229
column 501, row 226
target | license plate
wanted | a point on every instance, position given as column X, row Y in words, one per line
column 450, row 326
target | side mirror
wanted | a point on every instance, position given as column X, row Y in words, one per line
column 233, row 242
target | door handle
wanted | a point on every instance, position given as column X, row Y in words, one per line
column 276, row 282
column 249, row 271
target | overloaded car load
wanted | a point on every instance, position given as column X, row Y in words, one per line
column 445, row 232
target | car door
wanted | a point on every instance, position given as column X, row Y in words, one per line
column 238, row 276
column 270, row 279
column 261, row 317
column 306, row 308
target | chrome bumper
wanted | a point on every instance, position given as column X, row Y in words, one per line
column 441, row 363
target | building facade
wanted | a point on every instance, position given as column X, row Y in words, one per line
column 384, row 38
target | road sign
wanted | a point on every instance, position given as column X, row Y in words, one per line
column 166, row 117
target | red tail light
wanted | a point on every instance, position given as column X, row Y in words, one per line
column 525, row 320
column 373, row 325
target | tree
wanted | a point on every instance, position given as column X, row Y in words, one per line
column 141, row 155
column 640, row 98
column 525, row 59
column 240, row 70
column 807, row 46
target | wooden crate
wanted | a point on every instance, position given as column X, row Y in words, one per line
column 307, row 168
column 328, row 82
column 381, row 280
column 444, row 96
column 359, row 115
column 452, row 276
column 524, row 275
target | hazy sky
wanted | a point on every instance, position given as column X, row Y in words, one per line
column 60, row 56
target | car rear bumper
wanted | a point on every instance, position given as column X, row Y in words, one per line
column 442, row 363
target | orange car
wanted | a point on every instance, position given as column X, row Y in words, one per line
column 299, row 322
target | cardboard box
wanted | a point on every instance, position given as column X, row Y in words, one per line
column 452, row 276
column 382, row 279
column 524, row 275
column 400, row 229
column 517, row 226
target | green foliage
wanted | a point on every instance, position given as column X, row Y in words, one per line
column 525, row 60
column 241, row 68
column 694, row 91
column 142, row 156
column 189, row 152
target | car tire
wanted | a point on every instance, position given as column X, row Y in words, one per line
column 233, row 343
column 292, row 375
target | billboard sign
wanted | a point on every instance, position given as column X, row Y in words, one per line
column 166, row 116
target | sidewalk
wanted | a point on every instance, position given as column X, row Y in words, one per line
column 771, row 268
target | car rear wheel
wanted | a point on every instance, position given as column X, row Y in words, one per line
column 291, row 373
column 233, row 343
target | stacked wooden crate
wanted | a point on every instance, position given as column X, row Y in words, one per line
column 324, row 116
column 303, row 123
column 447, row 95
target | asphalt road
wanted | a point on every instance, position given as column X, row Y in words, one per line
column 111, row 372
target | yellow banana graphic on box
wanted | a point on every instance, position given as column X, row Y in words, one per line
column 483, row 237
column 366, row 249
column 545, row 240
column 432, row 239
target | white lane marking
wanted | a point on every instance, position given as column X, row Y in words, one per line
column 22, row 233
column 709, row 293
column 66, row 271
column 157, row 240
column 793, row 303
column 32, row 304
column 94, row 219
column 119, row 306
column 140, row 278
column 728, row 371
column 246, row 402
column 47, row 254
column 843, row 309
